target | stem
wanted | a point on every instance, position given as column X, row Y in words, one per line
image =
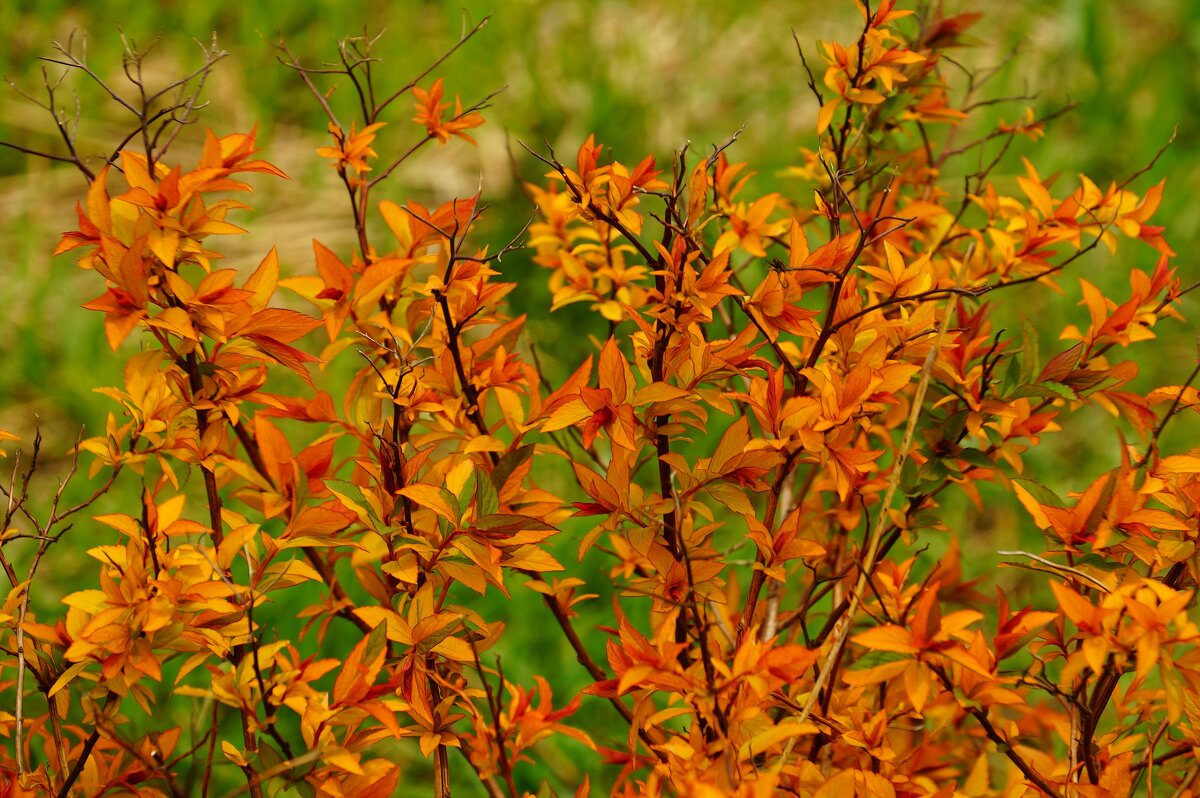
column 77, row 768
column 1001, row 742
column 759, row 576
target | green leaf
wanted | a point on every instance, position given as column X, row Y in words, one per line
column 1031, row 357
column 1010, row 378
column 263, row 760
column 934, row 470
column 1061, row 390
column 1099, row 563
column 1101, row 506
column 376, row 642
column 1045, row 390
column 925, row 519
column 509, row 463
column 995, row 437
column 463, row 497
column 487, row 501
column 1040, row 492
column 976, row 458
column 352, row 494
column 1061, row 364
column 952, row 427
column 434, row 638
column 504, row 525
column 910, row 478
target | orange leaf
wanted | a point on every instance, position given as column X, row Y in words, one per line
column 887, row 638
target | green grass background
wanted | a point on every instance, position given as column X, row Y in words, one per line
column 644, row 77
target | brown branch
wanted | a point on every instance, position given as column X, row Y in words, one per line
column 479, row 106
column 597, row 673
column 1152, row 446
column 311, row 554
column 759, row 576
column 950, row 153
column 495, row 708
column 463, row 39
column 65, row 789
column 1006, row 748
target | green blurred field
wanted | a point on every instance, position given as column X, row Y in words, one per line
column 644, row 78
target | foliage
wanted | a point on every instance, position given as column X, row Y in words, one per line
column 789, row 388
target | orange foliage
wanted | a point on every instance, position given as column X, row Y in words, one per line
column 806, row 376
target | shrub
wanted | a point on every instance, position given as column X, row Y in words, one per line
column 759, row 448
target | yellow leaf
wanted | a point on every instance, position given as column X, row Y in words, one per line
column 697, row 193
column 403, row 568
column 1179, row 464
column 291, row 572
column 262, row 283
column 67, row 675
column 343, row 759
column 1038, row 195
column 657, row 392
column 732, row 497
column 856, row 783
column 175, row 320
column 5, row 435
column 456, row 649
column 569, row 414
column 430, row 496
column 457, row 477
column 378, row 278
column 532, row 558
column 299, row 541
column 784, row 730
column 484, row 443
column 1176, row 550
column 825, row 115
column 232, row 544
column 467, row 574
column 978, row 781
column 232, row 754
column 92, row 601
column 397, row 630
column 1095, row 652
column 887, row 638
column 1031, row 505
column 280, row 324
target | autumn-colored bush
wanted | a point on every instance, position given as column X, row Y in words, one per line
column 789, row 389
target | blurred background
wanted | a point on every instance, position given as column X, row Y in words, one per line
column 645, row 78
